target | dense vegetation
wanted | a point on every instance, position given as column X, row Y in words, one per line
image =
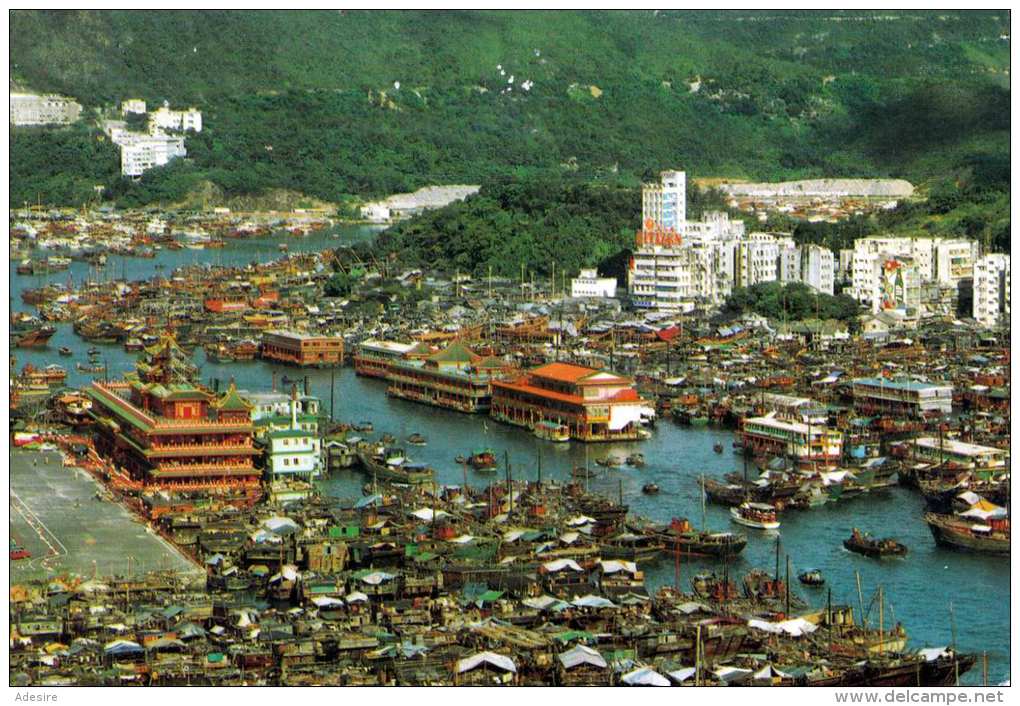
column 793, row 302
column 534, row 223
column 338, row 105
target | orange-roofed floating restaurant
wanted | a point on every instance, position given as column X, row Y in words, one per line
column 595, row 405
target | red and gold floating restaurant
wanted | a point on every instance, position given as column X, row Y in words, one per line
column 166, row 432
column 595, row 405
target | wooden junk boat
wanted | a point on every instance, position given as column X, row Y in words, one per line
column 755, row 515
column 711, row 586
column 960, row 533
column 863, row 543
column 680, row 537
column 390, row 464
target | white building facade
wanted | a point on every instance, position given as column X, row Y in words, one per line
column 32, row 109
column 818, row 268
column 664, row 205
column 589, row 284
column 991, row 290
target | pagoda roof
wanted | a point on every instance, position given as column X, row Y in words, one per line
column 455, row 353
column 231, row 401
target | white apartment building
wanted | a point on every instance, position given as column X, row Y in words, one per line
column 33, row 109
column 133, row 105
column 664, row 205
column 589, row 284
column 757, row 260
column 991, row 289
column 789, row 267
column 817, row 268
column 139, row 152
column 179, row 120
column 943, row 262
column 954, row 260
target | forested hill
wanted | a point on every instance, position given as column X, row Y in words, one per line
column 369, row 103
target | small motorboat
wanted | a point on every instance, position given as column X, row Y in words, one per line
column 637, row 460
column 363, row 427
column 582, row 472
column 756, row 515
column 416, row 439
column 811, row 577
column 718, row 448
column 64, row 350
column 388, row 438
column 608, row 462
column 649, row 489
column 863, row 543
column 460, row 459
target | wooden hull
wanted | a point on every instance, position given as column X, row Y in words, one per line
column 957, row 536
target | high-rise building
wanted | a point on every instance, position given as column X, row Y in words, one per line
column 991, row 289
column 664, row 205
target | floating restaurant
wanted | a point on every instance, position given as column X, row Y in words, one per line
column 595, row 405
column 167, row 432
column 302, row 348
column 374, row 358
column 805, row 443
column 961, row 453
column 901, row 397
column 455, row 378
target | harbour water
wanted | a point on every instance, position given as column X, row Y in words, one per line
column 940, row 596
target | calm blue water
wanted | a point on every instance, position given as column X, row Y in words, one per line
column 918, row 589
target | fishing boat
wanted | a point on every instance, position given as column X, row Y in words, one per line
column 484, row 460
column 684, row 540
column 637, row 460
column 759, row 585
column 718, row 448
column 30, row 333
column 583, row 473
column 362, row 427
column 712, row 586
column 416, row 439
column 609, row 462
column 755, row 515
column 960, row 533
column 650, row 489
column 863, row 543
column 283, row 247
column 551, row 431
column 631, row 547
column 811, row 577
column 65, row 351
column 392, row 465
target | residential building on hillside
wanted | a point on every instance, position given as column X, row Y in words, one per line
column 133, row 105
column 991, row 289
column 187, row 120
column 140, row 152
column 33, row 109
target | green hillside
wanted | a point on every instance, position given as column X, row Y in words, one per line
column 308, row 101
